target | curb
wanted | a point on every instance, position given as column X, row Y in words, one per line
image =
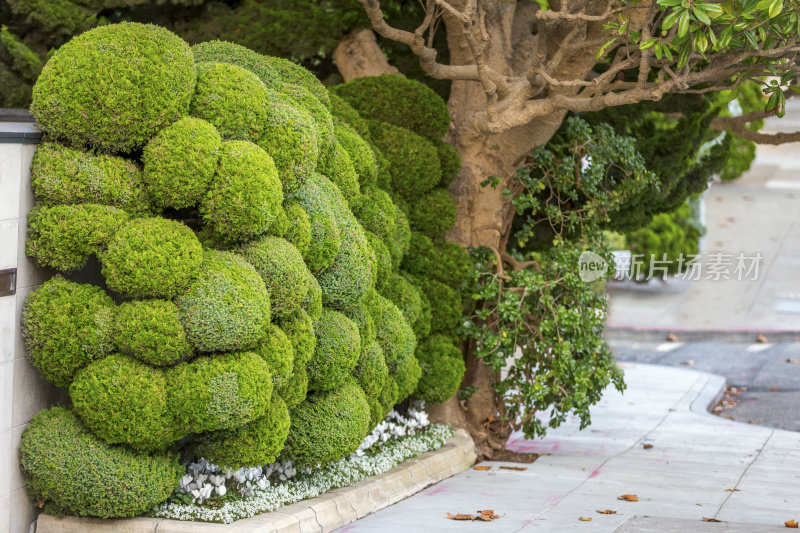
column 327, row 512
column 713, row 389
column 628, row 333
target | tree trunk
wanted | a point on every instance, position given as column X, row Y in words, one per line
column 358, row 55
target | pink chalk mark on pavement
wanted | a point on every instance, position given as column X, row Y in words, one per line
column 437, row 490
column 554, row 499
column 594, row 474
column 520, row 445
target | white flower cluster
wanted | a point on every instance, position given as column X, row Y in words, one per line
column 204, row 479
column 347, row 471
column 395, row 426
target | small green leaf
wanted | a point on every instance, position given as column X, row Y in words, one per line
column 775, row 8
column 683, row 24
column 647, row 44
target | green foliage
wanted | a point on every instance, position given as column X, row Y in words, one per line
column 151, row 330
column 741, row 154
column 328, row 425
column 360, row 153
column 180, row 162
column 434, row 214
column 398, row 100
column 399, row 242
column 64, row 236
column 299, row 231
column 336, row 353
column 170, row 250
column 422, row 325
column 447, row 263
column 256, row 443
column 278, row 352
column 413, row 160
column 343, row 113
column 66, row 325
column 22, row 61
column 450, row 161
column 442, row 369
column 281, row 267
column 383, row 259
column 325, row 235
column 312, row 304
column 406, row 376
column 445, row 302
column 74, row 472
column 398, row 342
column 388, row 397
column 64, row 176
column 124, row 401
column 361, row 316
column 299, row 328
column 404, row 295
column 336, row 166
column 376, row 212
column 371, row 371
column 226, row 307
column 114, row 87
column 220, row 392
column 245, row 195
column 232, row 99
column 294, row 390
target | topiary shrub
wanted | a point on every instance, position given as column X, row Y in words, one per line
column 124, row 401
column 151, row 330
column 299, row 328
column 277, row 351
column 281, row 267
column 383, row 259
column 312, row 304
column 446, row 305
column 422, row 325
column 407, row 375
column 337, row 167
column 299, row 227
column 245, row 194
column 74, row 472
column 64, row 176
column 294, row 390
column 64, row 236
column 413, row 160
column 362, row 318
column 397, row 100
column 396, row 339
column 450, row 161
column 305, row 99
column 180, row 162
column 360, row 153
column 227, row 307
column 220, row 392
column 328, row 425
column 325, row 236
column 371, row 371
column 404, row 295
column 231, row 98
column 388, row 397
column 434, row 214
column 448, row 262
column 442, row 369
column 65, row 326
column 343, row 113
column 376, row 212
column 336, row 353
column 114, row 87
column 399, row 242
column 256, row 443
column 170, row 250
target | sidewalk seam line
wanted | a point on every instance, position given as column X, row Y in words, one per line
column 751, row 463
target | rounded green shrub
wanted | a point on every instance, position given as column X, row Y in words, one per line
column 273, row 71
column 277, row 351
column 442, row 369
column 343, row 113
column 64, row 176
column 114, row 87
column 256, row 443
column 384, row 174
column 450, row 161
column 180, row 162
column 337, row 351
column 278, row 227
column 227, row 306
column 404, row 295
column 360, row 315
column 446, row 306
column 376, row 411
column 434, row 214
column 448, row 262
column 299, row 227
column 151, row 258
column 301, row 97
column 231, row 98
column 398, row 100
column 422, row 325
column 360, row 153
column 395, row 337
column 64, row 236
column 220, row 392
column 151, row 330
column 389, row 397
column 74, row 472
column 312, row 303
column 337, row 167
column 65, row 326
column 124, row 401
column 281, row 267
column 325, row 236
column 294, row 390
column 376, row 212
column 407, row 376
column 399, row 242
column 413, row 160
column 299, row 328
column 371, row 371
column 328, row 425
column 245, row 194
column 383, row 259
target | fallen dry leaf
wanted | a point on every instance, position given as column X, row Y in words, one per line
column 774, row 389
column 517, row 468
column 791, row 523
column 647, row 445
column 482, row 468
column 710, row 519
column 690, row 362
column 672, row 338
column 762, row 339
column 790, row 360
column 732, row 490
column 629, row 498
column 584, row 519
column 460, row 516
column 487, row 515
column 752, row 422
column 607, row 511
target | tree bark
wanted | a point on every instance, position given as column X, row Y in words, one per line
column 358, row 55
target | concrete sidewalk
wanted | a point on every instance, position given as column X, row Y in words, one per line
column 695, row 458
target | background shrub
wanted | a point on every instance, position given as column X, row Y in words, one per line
column 142, row 79
column 76, row 473
column 66, row 325
column 180, row 161
column 404, row 295
column 433, row 214
column 413, row 160
column 151, row 258
column 442, row 368
column 450, row 161
column 151, row 330
column 336, row 353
